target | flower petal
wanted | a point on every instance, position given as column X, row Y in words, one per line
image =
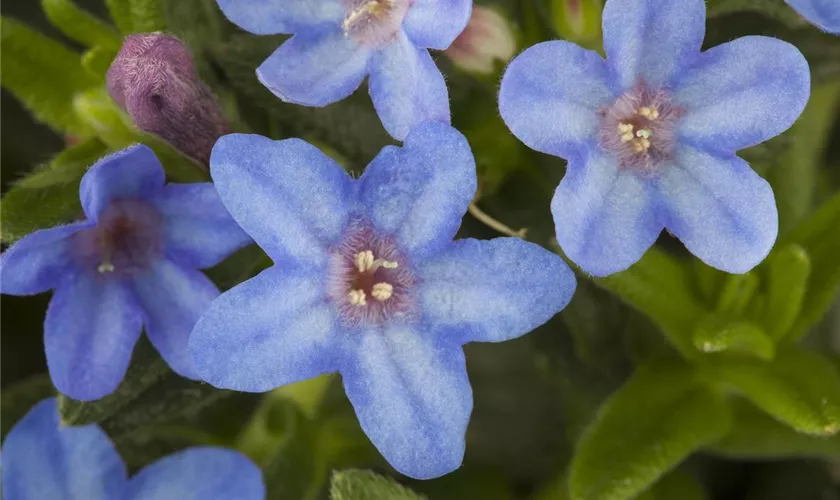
column 131, row 173
column 199, row 231
column 315, row 68
column 652, row 40
column 39, row 261
column 722, row 211
column 407, row 88
column 91, row 327
column 603, row 215
column 435, row 24
column 271, row 330
column 420, row 192
column 412, row 398
column 550, row 95
column 825, row 14
column 269, row 17
column 287, row 195
column 173, row 298
column 742, row 93
column 43, row 460
column 202, row 473
column 494, row 290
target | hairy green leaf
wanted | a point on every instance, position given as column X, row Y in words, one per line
column 658, row 418
column 80, row 25
column 138, row 16
column 366, row 485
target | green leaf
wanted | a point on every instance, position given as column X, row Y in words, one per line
column 678, row 485
column 49, row 196
column 799, row 388
column 44, row 75
column 658, row 418
column 755, row 434
column 79, row 25
column 661, row 287
column 366, row 485
column 19, row 397
column 788, row 269
column 137, row 16
column 715, row 335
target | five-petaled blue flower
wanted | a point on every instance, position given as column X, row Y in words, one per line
column 336, row 43
column 650, row 134
column 825, row 14
column 131, row 263
column 368, row 282
column 45, row 460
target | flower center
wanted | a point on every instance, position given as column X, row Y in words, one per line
column 639, row 128
column 128, row 237
column 374, row 22
column 370, row 280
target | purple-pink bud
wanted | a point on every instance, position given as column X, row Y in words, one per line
column 487, row 38
column 153, row 78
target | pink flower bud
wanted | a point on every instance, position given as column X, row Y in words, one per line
column 487, row 38
column 153, row 78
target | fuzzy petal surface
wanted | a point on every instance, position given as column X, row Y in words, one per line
column 133, row 173
column 435, row 24
column 269, row 17
column 407, row 88
column 722, row 211
column 315, row 68
column 494, row 290
column 825, row 14
column 271, row 330
column 652, row 40
column 412, row 398
column 604, row 216
column 44, row 460
column 287, row 195
column 550, row 96
column 420, row 192
column 173, row 298
column 198, row 229
column 742, row 93
column 202, row 473
column 39, row 261
column 91, row 327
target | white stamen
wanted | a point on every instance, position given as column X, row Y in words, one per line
column 373, row 7
column 357, row 297
column 105, row 267
column 382, row 291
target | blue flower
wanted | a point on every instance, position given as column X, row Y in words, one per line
column 336, row 43
column 368, row 282
column 825, row 14
column 45, row 460
column 650, row 134
column 131, row 263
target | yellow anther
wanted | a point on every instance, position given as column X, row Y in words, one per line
column 105, row 267
column 382, row 291
column 641, row 145
column 625, row 131
column 387, row 264
column 357, row 297
column 374, row 7
column 649, row 113
column 364, row 261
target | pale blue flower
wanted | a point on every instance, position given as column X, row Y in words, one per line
column 825, row 14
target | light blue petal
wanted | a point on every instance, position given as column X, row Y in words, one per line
column 199, row 474
column 173, row 298
column 271, row 330
column 823, row 13
column 420, row 192
column 722, row 211
column 743, row 93
column 198, row 229
column 435, row 24
column 287, row 195
column 652, row 40
column 494, row 290
column 44, row 460
column 550, row 96
column 269, row 17
column 407, row 88
column 91, row 327
column 39, row 261
column 603, row 215
column 412, row 398
column 131, row 173
column 315, row 68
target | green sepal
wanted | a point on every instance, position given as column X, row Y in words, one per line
column 787, row 273
column 716, row 335
column 799, row 388
column 49, row 196
column 79, row 25
column 98, row 60
column 366, row 485
column 652, row 423
column 44, row 75
column 736, row 293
